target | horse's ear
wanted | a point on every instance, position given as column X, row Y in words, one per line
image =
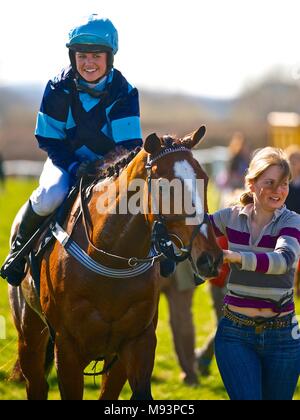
column 152, row 144
column 191, row 140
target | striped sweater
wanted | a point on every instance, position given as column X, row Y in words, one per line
column 268, row 264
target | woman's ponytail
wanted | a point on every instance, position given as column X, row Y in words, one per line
column 246, row 198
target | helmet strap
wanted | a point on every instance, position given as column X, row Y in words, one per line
column 73, row 61
column 86, row 89
column 110, row 62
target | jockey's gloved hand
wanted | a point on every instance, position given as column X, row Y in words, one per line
column 73, row 170
column 80, row 169
column 87, row 167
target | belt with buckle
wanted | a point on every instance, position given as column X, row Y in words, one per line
column 260, row 324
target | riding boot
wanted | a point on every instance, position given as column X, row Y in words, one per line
column 14, row 272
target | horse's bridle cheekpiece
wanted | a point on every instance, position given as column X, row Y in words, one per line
column 162, row 246
column 161, row 238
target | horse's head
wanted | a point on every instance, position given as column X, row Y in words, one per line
column 177, row 195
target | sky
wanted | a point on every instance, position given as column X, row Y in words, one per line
column 211, row 48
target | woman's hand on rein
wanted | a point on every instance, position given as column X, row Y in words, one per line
column 232, row 257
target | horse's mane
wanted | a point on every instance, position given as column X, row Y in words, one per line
column 119, row 160
column 116, row 163
column 170, row 141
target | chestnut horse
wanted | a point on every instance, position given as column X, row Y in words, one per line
column 109, row 316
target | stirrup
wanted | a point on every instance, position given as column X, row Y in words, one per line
column 12, row 273
column 9, row 263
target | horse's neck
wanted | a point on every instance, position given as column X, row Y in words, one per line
column 116, row 229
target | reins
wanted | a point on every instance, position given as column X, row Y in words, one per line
column 132, row 261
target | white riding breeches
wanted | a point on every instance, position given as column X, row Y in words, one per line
column 54, row 185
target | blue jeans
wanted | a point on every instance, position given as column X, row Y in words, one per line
column 258, row 366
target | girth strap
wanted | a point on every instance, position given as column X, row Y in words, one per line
column 81, row 256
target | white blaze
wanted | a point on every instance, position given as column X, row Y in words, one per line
column 185, row 171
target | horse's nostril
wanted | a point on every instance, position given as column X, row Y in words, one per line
column 214, row 273
column 204, row 263
column 203, row 259
column 208, row 266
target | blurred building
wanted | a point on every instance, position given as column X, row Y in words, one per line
column 284, row 129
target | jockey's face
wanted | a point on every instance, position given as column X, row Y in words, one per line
column 91, row 66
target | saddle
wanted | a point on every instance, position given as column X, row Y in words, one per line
column 45, row 239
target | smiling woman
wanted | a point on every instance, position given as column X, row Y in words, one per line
column 268, row 180
column 91, row 66
column 87, row 112
column 250, row 232
column 264, row 248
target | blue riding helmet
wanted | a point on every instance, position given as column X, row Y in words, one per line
column 94, row 35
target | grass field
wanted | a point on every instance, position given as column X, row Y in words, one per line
column 166, row 384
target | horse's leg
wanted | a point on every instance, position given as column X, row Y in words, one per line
column 33, row 340
column 137, row 356
column 70, row 368
column 181, row 321
column 16, row 373
column 32, row 361
column 113, row 381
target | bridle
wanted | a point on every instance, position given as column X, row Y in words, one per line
column 161, row 238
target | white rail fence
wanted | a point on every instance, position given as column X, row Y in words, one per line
column 22, row 168
column 214, row 159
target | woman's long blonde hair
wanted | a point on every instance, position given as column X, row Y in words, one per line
column 261, row 161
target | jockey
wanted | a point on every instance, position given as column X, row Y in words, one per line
column 86, row 112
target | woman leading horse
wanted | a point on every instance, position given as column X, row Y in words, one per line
column 100, row 286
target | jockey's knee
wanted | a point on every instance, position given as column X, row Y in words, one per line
column 46, row 201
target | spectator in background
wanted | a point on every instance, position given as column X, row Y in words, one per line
column 217, row 288
column 179, row 290
column 2, row 173
column 293, row 199
column 239, row 158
